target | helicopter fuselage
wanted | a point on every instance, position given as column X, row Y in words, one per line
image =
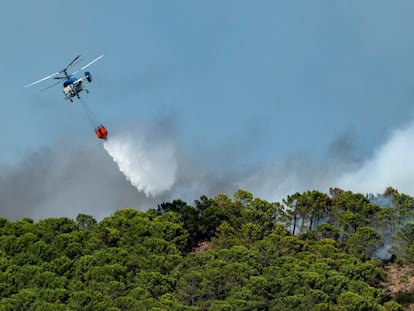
column 72, row 87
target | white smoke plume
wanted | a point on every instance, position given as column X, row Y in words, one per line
column 148, row 162
column 153, row 166
column 391, row 165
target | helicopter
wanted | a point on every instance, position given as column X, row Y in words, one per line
column 72, row 85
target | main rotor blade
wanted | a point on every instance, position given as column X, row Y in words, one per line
column 87, row 65
column 45, row 78
column 72, row 62
column 50, row 86
column 95, row 60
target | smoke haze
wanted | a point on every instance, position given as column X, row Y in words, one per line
column 67, row 178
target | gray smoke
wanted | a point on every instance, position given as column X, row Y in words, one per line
column 67, row 178
column 64, row 180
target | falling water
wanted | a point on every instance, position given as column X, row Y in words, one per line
column 150, row 165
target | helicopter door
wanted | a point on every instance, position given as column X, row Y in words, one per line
column 78, row 86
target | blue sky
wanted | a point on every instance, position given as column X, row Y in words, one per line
column 241, row 84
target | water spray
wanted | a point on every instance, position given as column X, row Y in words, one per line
column 148, row 164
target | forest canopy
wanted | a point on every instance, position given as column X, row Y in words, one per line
column 312, row 251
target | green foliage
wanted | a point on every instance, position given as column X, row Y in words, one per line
column 85, row 222
column 327, row 231
column 304, row 211
column 364, row 243
column 404, row 244
column 393, row 306
column 348, row 300
column 405, row 298
column 312, row 252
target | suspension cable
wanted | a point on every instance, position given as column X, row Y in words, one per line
column 91, row 116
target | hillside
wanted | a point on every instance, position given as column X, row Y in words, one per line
column 400, row 284
column 312, row 251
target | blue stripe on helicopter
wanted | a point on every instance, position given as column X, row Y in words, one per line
column 70, row 81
